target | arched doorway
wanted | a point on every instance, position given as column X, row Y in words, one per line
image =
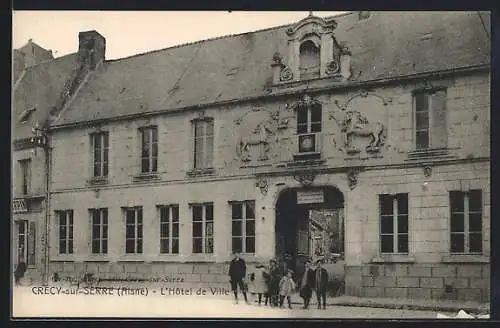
column 310, row 225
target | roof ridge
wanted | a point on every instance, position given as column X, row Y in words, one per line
column 218, row 38
column 49, row 61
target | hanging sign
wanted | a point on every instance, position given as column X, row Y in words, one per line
column 310, row 196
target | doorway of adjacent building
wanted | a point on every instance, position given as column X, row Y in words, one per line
column 310, row 225
column 24, row 239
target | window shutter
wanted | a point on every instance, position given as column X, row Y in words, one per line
column 31, row 243
column 439, row 132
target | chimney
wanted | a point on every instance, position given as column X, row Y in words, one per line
column 91, row 48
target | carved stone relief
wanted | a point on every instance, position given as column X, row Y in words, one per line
column 305, row 179
column 352, row 177
column 427, row 171
column 259, row 131
column 263, row 185
column 353, row 124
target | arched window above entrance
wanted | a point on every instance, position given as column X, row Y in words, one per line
column 310, row 61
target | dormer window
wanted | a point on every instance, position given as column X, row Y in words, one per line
column 310, row 60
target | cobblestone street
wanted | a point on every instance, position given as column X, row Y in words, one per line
column 26, row 303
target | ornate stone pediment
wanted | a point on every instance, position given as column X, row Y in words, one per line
column 311, row 24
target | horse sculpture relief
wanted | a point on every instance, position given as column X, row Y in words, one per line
column 259, row 138
column 352, row 124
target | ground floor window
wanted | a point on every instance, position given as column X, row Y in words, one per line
column 169, row 229
column 393, row 223
column 99, row 217
column 65, row 220
column 203, row 228
column 133, row 230
column 243, row 226
column 466, row 224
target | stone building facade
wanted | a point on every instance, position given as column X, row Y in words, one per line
column 165, row 163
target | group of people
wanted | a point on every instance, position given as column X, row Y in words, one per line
column 275, row 284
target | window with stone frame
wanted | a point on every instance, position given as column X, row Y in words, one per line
column 100, row 154
column 394, row 223
column 203, row 143
column 99, row 237
column 65, row 222
column 310, row 60
column 133, row 230
column 243, row 226
column 430, row 119
column 169, row 229
column 203, row 228
column 466, row 222
column 149, row 149
column 25, row 165
column 309, row 120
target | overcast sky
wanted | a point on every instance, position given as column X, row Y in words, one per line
column 128, row 33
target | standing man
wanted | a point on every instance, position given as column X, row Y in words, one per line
column 321, row 283
column 307, row 284
column 237, row 272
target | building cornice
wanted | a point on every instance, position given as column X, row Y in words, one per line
column 300, row 87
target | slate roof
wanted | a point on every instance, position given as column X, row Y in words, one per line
column 39, row 88
column 389, row 44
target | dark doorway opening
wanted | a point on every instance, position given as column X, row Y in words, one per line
column 310, row 225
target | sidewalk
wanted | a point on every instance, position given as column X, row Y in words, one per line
column 406, row 304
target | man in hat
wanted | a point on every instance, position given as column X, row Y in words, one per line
column 321, row 283
column 237, row 272
column 307, row 284
column 274, row 280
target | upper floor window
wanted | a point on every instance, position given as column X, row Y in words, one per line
column 430, row 119
column 310, row 60
column 25, row 165
column 169, row 229
column 203, row 143
column 394, row 223
column 65, row 220
column 149, row 149
column 203, row 228
column 243, row 226
column 99, row 238
column 466, row 226
column 100, row 153
column 308, row 125
column 133, row 230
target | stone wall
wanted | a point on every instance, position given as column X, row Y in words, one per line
column 447, row 281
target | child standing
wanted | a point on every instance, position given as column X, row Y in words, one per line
column 287, row 287
column 259, row 281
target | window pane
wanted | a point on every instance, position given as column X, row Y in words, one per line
column 175, row 230
column 62, row 246
column 475, row 201
column 210, row 128
column 386, row 224
column 154, row 165
column 402, row 200
column 421, row 102
column 386, row 204
column 237, row 244
column 209, row 245
column 250, row 245
column 422, row 139
column 139, row 231
column 139, row 245
column 96, row 231
column 31, row 243
column 209, row 214
column 164, row 246
column 70, row 246
column 209, row 229
column 130, row 216
column 197, row 229
column 301, row 120
column 105, row 231
column 475, row 222
column 250, row 210
column 316, row 127
column 95, row 246
column 70, row 232
column 457, row 222
column 456, row 201
column 175, row 246
column 197, row 245
column 130, row 231
column 104, row 247
column 197, row 213
column 457, row 243
column 403, row 243
column 250, row 226
column 97, row 169
column 387, row 243
column 164, row 214
column 237, row 228
column 139, row 215
column 62, row 220
column 475, row 243
column 237, row 211
column 164, row 230
column 62, row 231
column 105, row 216
column 175, row 213
column 403, row 223
column 422, row 120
